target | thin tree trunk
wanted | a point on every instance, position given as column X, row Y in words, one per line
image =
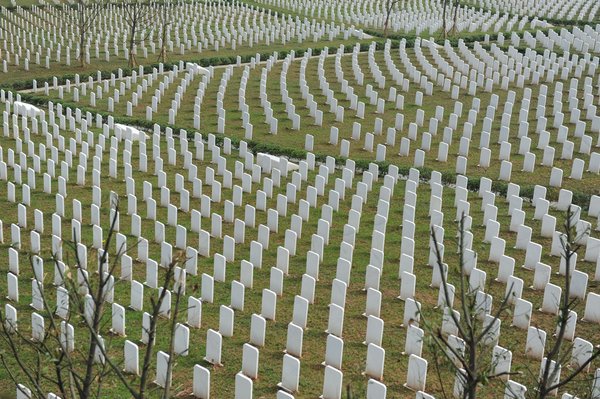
column 81, row 34
column 162, row 56
column 167, row 390
column 97, row 317
column 132, row 60
column 152, row 334
column 445, row 5
column 387, row 18
column 455, row 18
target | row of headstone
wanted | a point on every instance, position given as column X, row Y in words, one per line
column 259, row 27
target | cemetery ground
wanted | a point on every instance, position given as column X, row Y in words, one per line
column 289, row 138
column 208, row 56
column 7, row 3
column 314, row 337
column 62, row 59
column 376, row 259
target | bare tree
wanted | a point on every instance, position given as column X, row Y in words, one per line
column 472, row 362
column 139, row 16
column 81, row 372
column 82, row 20
column 456, row 6
column 389, row 7
column 550, row 378
column 178, row 288
column 444, row 12
column 164, row 23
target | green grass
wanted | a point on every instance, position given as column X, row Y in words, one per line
column 212, row 26
column 19, row 3
column 311, row 376
column 314, row 337
column 289, row 138
column 60, row 69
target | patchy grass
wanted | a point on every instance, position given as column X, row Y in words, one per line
column 116, row 62
column 314, row 337
column 289, row 138
column 311, row 376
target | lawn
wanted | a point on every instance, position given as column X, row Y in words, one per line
column 289, row 138
column 320, row 73
column 314, row 337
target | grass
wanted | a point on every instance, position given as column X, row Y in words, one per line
column 289, row 138
column 311, row 375
column 212, row 19
column 510, row 9
column 314, row 337
column 19, row 3
column 61, row 69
